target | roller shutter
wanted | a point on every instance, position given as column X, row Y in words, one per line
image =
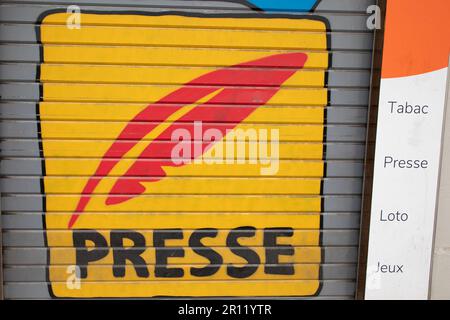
column 114, row 124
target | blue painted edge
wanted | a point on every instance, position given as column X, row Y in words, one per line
column 285, row 5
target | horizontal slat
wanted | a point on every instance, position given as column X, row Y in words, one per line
column 101, row 130
column 38, row 256
column 159, row 75
column 71, row 185
column 39, row 290
column 349, row 6
column 146, row 94
column 34, row 220
column 107, row 112
column 145, row 3
column 76, row 73
column 39, row 273
column 104, row 274
column 287, row 151
column 21, row 33
column 67, row 256
column 169, row 220
column 235, row 22
column 96, row 149
column 193, row 204
column 173, row 220
column 24, row 166
column 164, row 56
column 50, row 112
column 63, row 238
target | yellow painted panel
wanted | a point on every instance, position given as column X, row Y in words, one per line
column 163, row 41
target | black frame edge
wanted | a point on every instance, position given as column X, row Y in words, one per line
column 1, row 256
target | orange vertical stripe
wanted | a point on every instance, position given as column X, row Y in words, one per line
column 417, row 37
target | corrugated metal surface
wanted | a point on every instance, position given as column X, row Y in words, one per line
column 67, row 94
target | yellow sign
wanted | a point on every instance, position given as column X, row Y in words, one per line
column 134, row 220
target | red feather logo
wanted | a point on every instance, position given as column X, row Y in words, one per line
column 229, row 86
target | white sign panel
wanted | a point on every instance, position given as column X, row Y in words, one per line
column 407, row 160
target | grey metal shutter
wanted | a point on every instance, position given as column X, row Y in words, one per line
column 25, row 249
